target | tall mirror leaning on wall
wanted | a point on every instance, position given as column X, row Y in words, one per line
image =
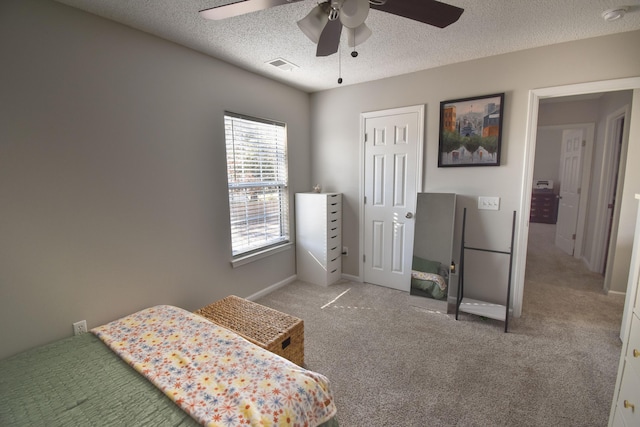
column 432, row 264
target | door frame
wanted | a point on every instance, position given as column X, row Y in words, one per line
column 420, row 110
column 631, row 83
column 611, row 167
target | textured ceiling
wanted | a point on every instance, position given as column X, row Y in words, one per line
column 397, row 46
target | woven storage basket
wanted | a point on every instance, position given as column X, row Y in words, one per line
column 270, row 329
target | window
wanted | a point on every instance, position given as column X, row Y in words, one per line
column 257, row 177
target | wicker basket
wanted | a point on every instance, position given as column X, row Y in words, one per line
column 272, row 330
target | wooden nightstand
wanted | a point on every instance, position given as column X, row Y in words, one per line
column 544, row 207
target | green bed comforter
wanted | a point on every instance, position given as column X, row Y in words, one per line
column 79, row 381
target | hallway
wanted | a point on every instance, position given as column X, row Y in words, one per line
column 560, row 287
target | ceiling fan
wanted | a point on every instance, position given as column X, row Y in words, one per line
column 323, row 25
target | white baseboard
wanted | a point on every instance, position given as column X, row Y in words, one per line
column 268, row 290
column 352, row 278
column 291, row 279
column 590, row 265
column 617, row 292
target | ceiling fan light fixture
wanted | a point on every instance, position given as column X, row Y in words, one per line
column 313, row 24
column 354, row 12
column 614, row 14
column 357, row 36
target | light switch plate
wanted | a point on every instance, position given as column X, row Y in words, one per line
column 489, row 203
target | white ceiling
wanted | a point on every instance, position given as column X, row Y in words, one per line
column 397, row 46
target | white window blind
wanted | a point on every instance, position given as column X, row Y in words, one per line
column 257, row 176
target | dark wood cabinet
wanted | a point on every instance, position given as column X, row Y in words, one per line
column 544, row 207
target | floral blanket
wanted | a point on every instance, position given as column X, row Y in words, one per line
column 215, row 375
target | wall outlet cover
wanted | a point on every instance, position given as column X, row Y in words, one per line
column 80, row 327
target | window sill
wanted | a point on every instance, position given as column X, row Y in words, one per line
column 240, row 261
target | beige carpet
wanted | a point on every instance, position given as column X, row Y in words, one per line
column 393, row 364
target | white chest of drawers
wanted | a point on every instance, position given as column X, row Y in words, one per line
column 625, row 411
column 319, row 237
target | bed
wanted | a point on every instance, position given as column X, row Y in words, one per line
column 160, row 366
column 429, row 278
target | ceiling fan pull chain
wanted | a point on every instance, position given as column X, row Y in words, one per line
column 339, row 65
column 354, row 53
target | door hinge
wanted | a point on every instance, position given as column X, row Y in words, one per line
column 366, row 137
column 579, row 191
column 364, row 258
column 584, row 142
column 573, row 237
column 365, row 200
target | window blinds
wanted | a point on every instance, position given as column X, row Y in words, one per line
column 257, row 177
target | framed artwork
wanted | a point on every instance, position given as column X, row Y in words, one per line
column 471, row 131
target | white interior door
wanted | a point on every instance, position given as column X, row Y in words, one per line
column 570, row 179
column 392, row 177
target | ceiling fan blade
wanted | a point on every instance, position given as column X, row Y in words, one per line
column 430, row 12
column 329, row 38
column 240, row 8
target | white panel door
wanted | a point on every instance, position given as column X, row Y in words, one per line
column 570, row 178
column 391, row 180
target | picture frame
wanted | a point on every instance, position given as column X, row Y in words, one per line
column 471, row 131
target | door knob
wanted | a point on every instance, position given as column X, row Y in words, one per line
column 629, row 405
column 409, row 215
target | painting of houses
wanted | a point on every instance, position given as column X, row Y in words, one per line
column 470, row 131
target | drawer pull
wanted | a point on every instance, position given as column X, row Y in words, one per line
column 636, row 353
column 629, row 405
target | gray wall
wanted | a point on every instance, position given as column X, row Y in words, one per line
column 112, row 172
column 548, row 145
column 336, row 129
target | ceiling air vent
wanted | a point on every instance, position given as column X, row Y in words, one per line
column 283, row 64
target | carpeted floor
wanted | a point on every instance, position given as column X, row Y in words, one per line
column 394, row 364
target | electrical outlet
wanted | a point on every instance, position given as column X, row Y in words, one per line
column 489, row 203
column 80, row 327
column 345, row 251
